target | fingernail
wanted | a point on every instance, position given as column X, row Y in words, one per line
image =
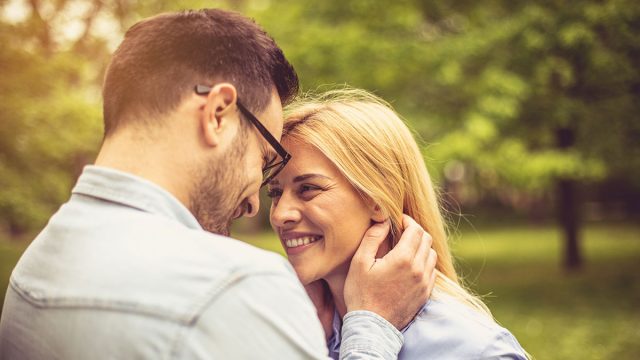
column 386, row 223
column 380, row 228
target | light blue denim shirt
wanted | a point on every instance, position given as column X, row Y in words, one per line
column 445, row 329
column 124, row 271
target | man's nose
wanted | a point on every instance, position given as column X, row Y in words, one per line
column 253, row 205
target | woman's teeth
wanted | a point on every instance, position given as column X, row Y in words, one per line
column 305, row 240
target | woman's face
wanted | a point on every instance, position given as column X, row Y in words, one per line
column 318, row 215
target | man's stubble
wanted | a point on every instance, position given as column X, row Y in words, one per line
column 219, row 187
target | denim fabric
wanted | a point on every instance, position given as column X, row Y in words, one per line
column 124, row 271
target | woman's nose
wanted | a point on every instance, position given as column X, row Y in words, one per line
column 284, row 212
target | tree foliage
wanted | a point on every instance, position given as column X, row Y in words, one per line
column 49, row 123
column 487, row 84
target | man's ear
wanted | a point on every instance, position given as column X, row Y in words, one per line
column 219, row 113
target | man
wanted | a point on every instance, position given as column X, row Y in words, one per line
column 124, row 269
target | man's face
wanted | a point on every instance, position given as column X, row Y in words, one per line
column 228, row 187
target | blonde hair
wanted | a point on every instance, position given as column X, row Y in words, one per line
column 377, row 153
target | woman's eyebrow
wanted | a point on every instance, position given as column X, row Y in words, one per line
column 308, row 176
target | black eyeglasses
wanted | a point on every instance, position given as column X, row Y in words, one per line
column 272, row 167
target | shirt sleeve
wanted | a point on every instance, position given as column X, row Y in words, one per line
column 366, row 335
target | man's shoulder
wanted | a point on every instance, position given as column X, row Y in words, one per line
column 206, row 266
column 232, row 256
column 152, row 266
column 191, row 268
column 215, row 251
column 170, row 246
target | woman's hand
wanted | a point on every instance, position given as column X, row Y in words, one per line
column 320, row 295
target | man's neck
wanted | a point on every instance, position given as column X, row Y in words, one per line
column 142, row 159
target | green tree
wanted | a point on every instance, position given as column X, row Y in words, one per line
column 53, row 58
column 49, row 119
column 533, row 96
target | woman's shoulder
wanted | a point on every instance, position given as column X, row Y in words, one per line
column 446, row 328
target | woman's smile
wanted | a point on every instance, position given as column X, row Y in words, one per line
column 297, row 242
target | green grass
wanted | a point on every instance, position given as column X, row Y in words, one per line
column 591, row 314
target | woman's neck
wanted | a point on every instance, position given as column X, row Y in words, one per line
column 337, row 279
column 336, row 286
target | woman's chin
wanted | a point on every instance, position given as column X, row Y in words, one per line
column 305, row 276
column 306, row 279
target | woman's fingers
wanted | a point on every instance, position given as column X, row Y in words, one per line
column 373, row 238
column 409, row 243
column 431, row 271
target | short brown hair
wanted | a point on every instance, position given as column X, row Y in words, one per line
column 162, row 58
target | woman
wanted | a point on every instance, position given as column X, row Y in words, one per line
column 354, row 162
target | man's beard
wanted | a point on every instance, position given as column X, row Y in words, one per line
column 219, row 186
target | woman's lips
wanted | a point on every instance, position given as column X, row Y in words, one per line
column 304, row 240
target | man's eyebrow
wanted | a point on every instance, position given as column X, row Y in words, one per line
column 308, row 176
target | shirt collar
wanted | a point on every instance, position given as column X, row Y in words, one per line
column 336, row 339
column 133, row 191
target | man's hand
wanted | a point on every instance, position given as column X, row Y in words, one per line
column 397, row 285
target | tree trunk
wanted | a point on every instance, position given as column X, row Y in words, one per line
column 568, row 209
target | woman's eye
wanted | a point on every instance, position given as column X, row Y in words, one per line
column 273, row 193
column 307, row 189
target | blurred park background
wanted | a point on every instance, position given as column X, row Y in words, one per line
column 528, row 114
